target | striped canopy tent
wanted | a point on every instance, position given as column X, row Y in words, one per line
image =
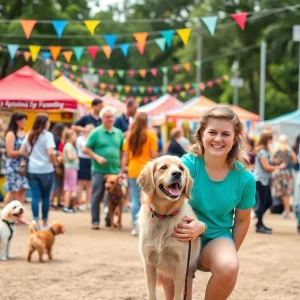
column 157, row 109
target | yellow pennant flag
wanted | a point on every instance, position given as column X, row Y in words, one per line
column 187, row 66
column 34, row 50
column 56, row 73
column 110, row 73
column 184, row 34
column 143, row 73
column 27, row 55
column 91, row 25
column 107, row 51
column 183, row 93
column 139, row 99
column 74, row 68
column 68, row 55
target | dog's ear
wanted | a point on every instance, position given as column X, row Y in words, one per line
column 146, row 178
column 188, row 185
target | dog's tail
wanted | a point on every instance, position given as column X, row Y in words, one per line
column 32, row 227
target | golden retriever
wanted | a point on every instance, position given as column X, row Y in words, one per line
column 116, row 196
column 166, row 184
column 43, row 239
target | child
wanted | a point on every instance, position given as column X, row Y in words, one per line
column 71, row 167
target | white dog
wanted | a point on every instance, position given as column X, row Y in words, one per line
column 11, row 213
column 167, row 184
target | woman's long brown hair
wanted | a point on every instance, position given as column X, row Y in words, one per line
column 39, row 125
column 137, row 134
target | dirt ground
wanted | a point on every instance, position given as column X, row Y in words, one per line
column 106, row 265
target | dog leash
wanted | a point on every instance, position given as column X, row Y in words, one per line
column 187, row 269
column 9, row 224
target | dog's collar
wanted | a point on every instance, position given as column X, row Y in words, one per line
column 52, row 230
column 9, row 224
column 159, row 216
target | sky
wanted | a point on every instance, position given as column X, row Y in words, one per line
column 104, row 5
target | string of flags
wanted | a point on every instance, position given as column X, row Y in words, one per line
column 140, row 39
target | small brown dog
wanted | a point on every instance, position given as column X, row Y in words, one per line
column 116, row 195
column 43, row 240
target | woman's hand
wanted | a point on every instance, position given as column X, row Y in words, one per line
column 100, row 160
column 189, row 230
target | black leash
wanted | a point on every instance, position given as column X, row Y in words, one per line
column 187, row 270
column 9, row 224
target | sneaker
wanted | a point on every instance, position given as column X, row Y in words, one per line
column 135, row 232
column 80, row 207
column 89, row 206
column 68, row 210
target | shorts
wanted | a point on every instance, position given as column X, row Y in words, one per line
column 204, row 242
column 70, row 180
column 58, row 182
column 84, row 172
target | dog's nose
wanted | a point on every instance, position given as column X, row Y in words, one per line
column 176, row 174
column 21, row 209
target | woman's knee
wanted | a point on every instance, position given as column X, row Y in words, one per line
column 226, row 268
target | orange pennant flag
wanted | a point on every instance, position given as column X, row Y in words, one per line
column 91, row 25
column 110, row 73
column 26, row 55
column 169, row 88
column 102, row 85
column 28, row 26
column 68, row 55
column 143, row 73
column 201, row 86
column 141, row 38
column 187, row 86
column 107, row 51
column 187, row 66
column 34, row 50
column 127, row 88
column 55, row 50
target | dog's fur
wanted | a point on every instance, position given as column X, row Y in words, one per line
column 164, row 257
column 12, row 212
column 115, row 188
column 43, row 240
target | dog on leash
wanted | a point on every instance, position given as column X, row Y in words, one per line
column 166, row 185
column 116, row 196
column 43, row 239
column 10, row 214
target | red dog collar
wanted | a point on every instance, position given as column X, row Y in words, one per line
column 159, row 216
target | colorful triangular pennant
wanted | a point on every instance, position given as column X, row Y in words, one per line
column 91, row 25
column 164, row 70
column 59, row 26
column 110, row 39
column 78, row 51
column 107, row 51
column 211, row 23
column 121, row 73
column 184, row 34
column 153, row 71
column 55, row 50
column 68, row 55
column 12, row 50
column 74, row 68
column 197, row 63
column 27, row 55
column 110, row 73
column 240, row 19
column 27, row 26
column 161, row 43
column 143, row 73
column 34, row 50
column 124, row 48
column 93, row 50
column 168, row 35
column 187, row 67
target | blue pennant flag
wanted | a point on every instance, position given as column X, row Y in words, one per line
column 124, row 48
column 168, row 35
column 211, row 23
column 110, row 39
column 134, row 89
column 12, row 50
column 67, row 74
column 46, row 55
column 78, row 51
column 161, row 43
column 248, row 125
column 59, row 26
column 155, row 89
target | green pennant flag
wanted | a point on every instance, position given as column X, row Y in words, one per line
column 92, row 70
column 164, row 70
column 194, row 85
column 119, row 88
column 163, row 89
column 121, row 73
column 197, row 63
column 142, row 89
column 58, row 64
column 95, row 90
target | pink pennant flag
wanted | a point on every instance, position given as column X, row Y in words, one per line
column 93, row 50
column 176, row 68
column 131, row 73
column 141, row 48
column 111, row 86
column 153, row 98
column 149, row 89
column 240, row 19
column 210, row 83
column 83, row 69
column 218, row 81
column 153, row 71
column 178, row 87
column 101, row 72
column 146, row 99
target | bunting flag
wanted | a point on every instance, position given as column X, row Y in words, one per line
column 187, row 67
column 27, row 26
column 68, row 55
column 153, row 71
column 127, row 88
column 46, row 55
column 93, row 50
column 131, row 73
column 107, row 51
column 211, row 23
column 111, row 73
column 59, row 27
column 141, row 48
column 121, row 73
column 74, row 68
column 143, row 73
column 55, row 50
column 161, row 43
column 197, row 63
column 34, row 50
column 12, row 50
column 176, row 68
column 91, row 25
column 124, row 48
column 142, row 89
column 101, row 72
column 240, row 19
column 164, row 70
column 141, row 38
column 110, row 39
column 184, row 34
column 78, row 51
column 168, row 35
column 27, row 55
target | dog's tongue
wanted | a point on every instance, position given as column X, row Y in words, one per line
column 174, row 189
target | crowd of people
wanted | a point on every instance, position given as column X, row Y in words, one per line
column 67, row 165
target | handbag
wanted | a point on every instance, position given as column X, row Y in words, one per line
column 23, row 166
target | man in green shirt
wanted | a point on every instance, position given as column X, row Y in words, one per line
column 104, row 146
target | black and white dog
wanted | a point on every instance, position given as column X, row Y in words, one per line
column 11, row 213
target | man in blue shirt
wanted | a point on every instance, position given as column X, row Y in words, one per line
column 92, row 118
column 122, row 121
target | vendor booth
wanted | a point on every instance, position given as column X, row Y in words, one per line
column 29, row 92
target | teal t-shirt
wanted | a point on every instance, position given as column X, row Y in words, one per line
column 70, row 163
column 214, row 202
column 108, row 145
